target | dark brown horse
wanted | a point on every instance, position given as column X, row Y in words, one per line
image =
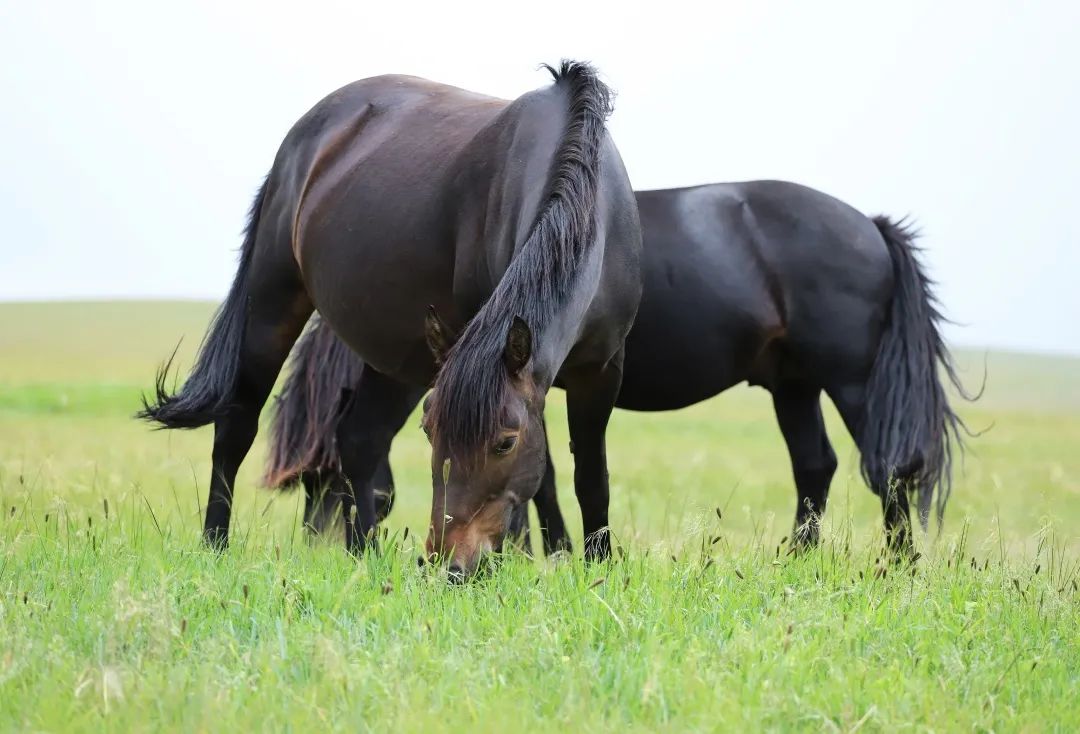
column 770, row 283
column 514, row 219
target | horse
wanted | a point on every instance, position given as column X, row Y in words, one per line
column 405, row 211
column 783, row 287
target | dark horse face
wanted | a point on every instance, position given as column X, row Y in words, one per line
column 475, row 493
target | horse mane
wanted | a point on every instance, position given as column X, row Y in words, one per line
column 303, row 428
column 471, row 384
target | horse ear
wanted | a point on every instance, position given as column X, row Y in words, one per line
column 438, row 336
column 518, row 349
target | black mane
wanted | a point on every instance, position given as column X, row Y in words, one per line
column 469, row 388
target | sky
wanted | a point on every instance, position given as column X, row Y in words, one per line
column 134, row 133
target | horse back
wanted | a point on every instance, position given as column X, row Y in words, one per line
column 379, row 153
column 748, row 282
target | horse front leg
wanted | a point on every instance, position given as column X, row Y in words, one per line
column 376, row 413
column 590, row 398
column 552, row 526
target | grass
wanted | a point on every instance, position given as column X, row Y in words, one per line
column 112, row 616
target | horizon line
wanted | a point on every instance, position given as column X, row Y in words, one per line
column 1064, row 351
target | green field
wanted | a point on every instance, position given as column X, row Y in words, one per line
column 113, row 617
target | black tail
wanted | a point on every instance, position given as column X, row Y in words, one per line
column 909, row 430
column 302, row 431
column 208, row 391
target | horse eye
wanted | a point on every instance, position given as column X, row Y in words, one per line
column 505, row 446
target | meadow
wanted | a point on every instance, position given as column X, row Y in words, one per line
column 113, row 617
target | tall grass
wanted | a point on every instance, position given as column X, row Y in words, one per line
column 112, row 616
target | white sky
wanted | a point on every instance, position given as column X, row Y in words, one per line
column 134, row 133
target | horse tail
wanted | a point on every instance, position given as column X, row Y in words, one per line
column 304, row 424
column 208, row 391
column 909, row 431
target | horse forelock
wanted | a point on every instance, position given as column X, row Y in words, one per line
column 472, row 385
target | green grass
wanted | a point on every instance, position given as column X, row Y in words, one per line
column 116, row 618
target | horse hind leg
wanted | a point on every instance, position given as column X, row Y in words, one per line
column 891, row 488
column 275, row 316
column 242, row 353
column 813, row 461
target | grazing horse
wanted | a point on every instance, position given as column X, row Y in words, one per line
column 405, row 211
column 780, row 286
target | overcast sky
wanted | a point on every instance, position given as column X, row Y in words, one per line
column 135, row 133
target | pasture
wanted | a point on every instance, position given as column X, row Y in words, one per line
column 112, row 614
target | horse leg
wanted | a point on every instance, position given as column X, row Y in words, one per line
column 378, row 409
column 321, row 502
column 897, row 512
column 312, row 485
column 590, row 398
column 813, row 462
column 276, row 310
column 518, row 530
column 382, row 483
column 552, row 528
column 850, row 401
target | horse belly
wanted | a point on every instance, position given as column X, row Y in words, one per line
column 671, row 364
column 374, row 291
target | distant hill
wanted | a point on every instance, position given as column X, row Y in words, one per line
column 123, row 342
